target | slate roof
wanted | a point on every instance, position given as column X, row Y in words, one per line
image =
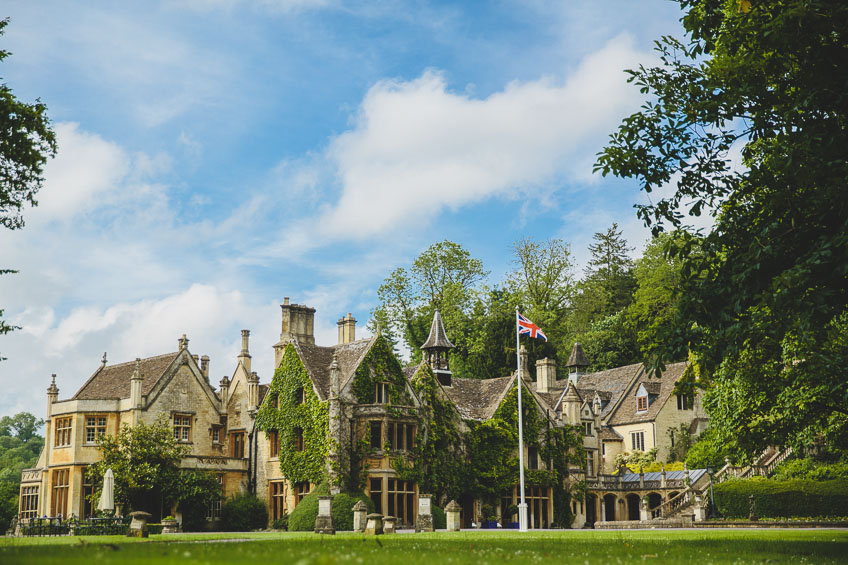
column 113, row 381
column 318, row 359
column 478, row 399
column 609, row 384
column 625, row 412
column 437, row 337
column 263, row 390
column 609, row 434
column 578, row 357
column 694, row 475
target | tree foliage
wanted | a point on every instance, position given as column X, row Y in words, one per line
column 20, row 446
column 763, row 295
column 26, row 142
column 145, row 462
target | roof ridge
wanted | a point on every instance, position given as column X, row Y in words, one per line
column 142, row 359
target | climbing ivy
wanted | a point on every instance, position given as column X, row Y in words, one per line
column 380, row 366
column 282, row 411
column 437, row 462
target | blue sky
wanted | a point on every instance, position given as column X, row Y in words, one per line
column 218, row 155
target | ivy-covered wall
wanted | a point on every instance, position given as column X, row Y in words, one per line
column 282, row 410
column 380, row 366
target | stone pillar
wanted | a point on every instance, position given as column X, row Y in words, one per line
column 389, row 524
column 253, row 391
column 138, row 526
column 643, row 509
column 339, row 431
column 374, row 525
column 359, row 510
column 424, row 522
column 700, row 511
column 224, row 393
column 452, row 513
column 52, row 397
column 525, row 370
column 641, row 477
column 324, row 520
column 135, row 391
column 662, row 477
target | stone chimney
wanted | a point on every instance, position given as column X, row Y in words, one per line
column 545, row 374
column 224, row 393
column 52, row 396
column 525, row 370
column 347, row 329
column 135, row 385
column 183, row 342
column 244, row 356
column 204, row 367
column 297, row 326
column 253, row 391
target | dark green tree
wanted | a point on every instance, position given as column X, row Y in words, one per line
column 26, row 142
column 764, row 294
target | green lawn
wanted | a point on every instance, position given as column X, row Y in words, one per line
column 477, row 548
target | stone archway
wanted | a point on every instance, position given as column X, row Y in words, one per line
column 633, row 507
column 655, row 499
column 609, row 507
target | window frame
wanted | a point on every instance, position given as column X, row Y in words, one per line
column 372, row 426
column 182, row 422
column 381, row 393
column 63, row 426
column 637, row 440
column 642, row 403
column 96, row 429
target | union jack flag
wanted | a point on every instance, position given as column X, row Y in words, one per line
column 526, row 327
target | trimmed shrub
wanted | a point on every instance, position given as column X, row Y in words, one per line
column 440, row 520
column 810, row 469
column 343, row 504
column 244, row 512
column 782, row 499
column 302, row 518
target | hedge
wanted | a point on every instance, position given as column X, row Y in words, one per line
column 244, row 512
column 302, row 518
column 440, row 521
column 782, row 499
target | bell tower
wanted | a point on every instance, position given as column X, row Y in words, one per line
column 436, row 350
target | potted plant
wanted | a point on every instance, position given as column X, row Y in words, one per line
column 512, row 515
column 489, row 516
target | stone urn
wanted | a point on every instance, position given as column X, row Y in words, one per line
column 170, row 526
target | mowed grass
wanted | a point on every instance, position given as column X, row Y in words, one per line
column 477, row 548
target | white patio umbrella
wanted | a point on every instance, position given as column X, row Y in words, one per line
column 107, row 497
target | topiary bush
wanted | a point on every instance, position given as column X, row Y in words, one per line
column 781, row 499
column 302, row 518
column 440, row 521
column 244, row 512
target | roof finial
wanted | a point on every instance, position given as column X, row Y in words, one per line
column 137, row 372
column 183, row 341
column 103, row 361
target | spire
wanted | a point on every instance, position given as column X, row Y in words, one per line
column 577, row 358
column 437, row 338
column 436, row 350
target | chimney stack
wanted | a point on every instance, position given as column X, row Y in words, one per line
column 297, row 325
column 545, row 374
column 183, row 342
column 347, row 329
column 204, row 367
column 244, row 356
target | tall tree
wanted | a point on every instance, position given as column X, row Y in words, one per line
column 26, row 141
column 764, row 300
column 444, row 277
column 20, row 446
column 543, row 284
column 609, row 283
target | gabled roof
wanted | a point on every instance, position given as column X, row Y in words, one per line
column 317, row 360
column 609, row 434
column 113, row 381
column 625, row 411
column 438, row 337
column 478, row 399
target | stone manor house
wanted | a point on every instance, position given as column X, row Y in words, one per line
column 350, row 412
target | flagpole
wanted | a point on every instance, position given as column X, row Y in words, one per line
column 522, row 506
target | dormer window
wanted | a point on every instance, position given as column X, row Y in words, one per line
column 642, row 399
column 382, row 393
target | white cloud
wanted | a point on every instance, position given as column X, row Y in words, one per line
column 85, row 168
column 417, row 148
